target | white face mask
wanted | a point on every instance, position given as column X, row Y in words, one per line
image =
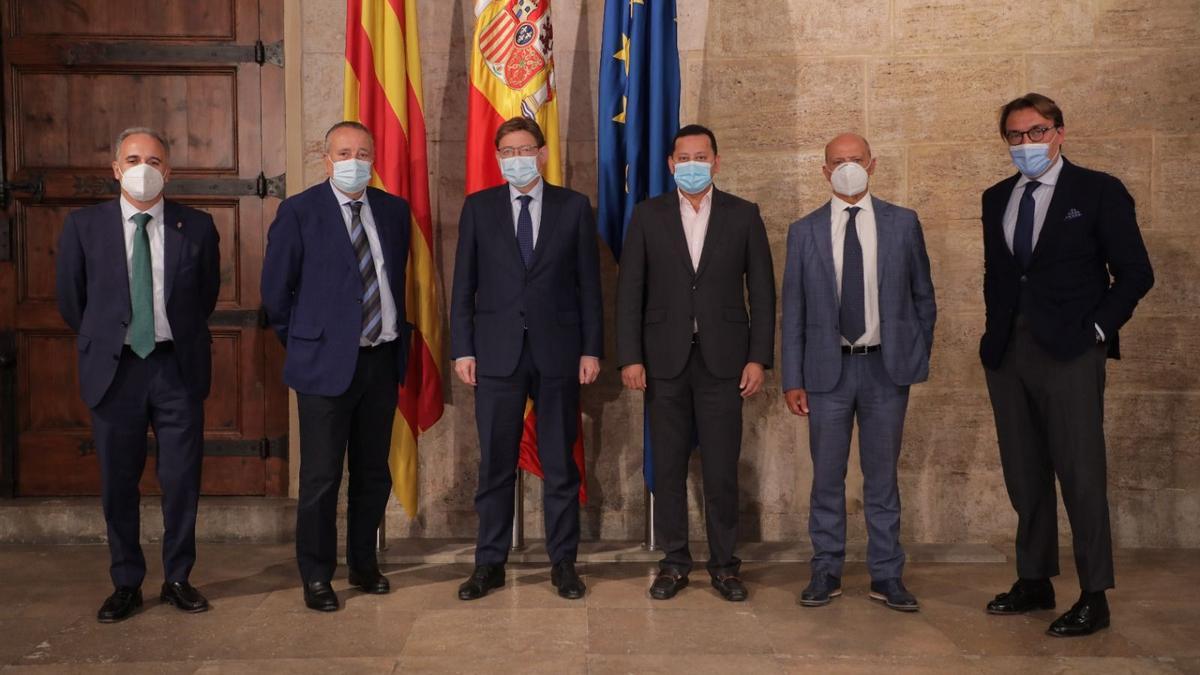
column 351, row 175
column 142, row 182
column 849, row 179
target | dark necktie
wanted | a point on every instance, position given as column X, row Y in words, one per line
column 141, row 290
column 372, row 312
column 852, row 315
column 525, row 230
column 1022, row 244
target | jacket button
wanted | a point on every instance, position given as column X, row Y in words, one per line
column 1024, row 278
column 693, row 287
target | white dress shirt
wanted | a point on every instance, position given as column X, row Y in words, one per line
column 535, row 206
column 154, row 230
column 1041, row 200
column 695, row 224
column 386, row 302
column 865, row 222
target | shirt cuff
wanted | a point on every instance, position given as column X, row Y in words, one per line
column 1100, row 337
column 464, row 358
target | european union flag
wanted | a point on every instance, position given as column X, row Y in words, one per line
column 639, row 115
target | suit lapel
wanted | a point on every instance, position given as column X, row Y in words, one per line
column 714, row 236
column 114, row 240
column 823, row 233
column 674, row 227
column 885, row 236
column 1057, row 211
column 173, row 245
column 551, row 206
column 507, row 230
column 993, row 218
column 331, row 209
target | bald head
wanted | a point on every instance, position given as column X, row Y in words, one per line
column 847, row 146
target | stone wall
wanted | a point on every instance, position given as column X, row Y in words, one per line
column 923, row 80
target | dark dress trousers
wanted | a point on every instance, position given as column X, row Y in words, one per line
column 692, row 330
column 312, row 291
column 527, row 328
column 127, row 394
column 1045, row 367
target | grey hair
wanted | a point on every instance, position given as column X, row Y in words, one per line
column 133, row 131
column 348, row 124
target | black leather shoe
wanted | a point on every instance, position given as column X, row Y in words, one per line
column 482, row 580
column 319, row 596
column 1025, row 596
column 821, row 591
column 120, row 605
column 370, row 581
column 567, row 581
column 1085, row 617
column 182, row 595
column 892, row 593
column 667, row 584
column 730, row 587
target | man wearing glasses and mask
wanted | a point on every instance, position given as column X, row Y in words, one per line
column 526, row 321
column 1064, row 267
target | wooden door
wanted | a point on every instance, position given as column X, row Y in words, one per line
column 208, row 74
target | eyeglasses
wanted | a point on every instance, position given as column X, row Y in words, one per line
column 1035, row 135
column 509, row 151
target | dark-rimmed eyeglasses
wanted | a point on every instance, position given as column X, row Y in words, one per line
column 1036, row 134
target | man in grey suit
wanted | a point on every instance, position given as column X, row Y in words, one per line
column 858, row 315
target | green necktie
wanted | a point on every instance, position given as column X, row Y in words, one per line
column 141, row 291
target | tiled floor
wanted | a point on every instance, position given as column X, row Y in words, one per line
column 258, row 623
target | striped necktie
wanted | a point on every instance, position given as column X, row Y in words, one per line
column 372, row 312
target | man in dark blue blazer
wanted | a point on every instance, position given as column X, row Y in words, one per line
column 1064, row 267
column 526, row 322
column 333, row 289
column 137, row 278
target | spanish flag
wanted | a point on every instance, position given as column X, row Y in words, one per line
column 383, row 91
column 512, row 74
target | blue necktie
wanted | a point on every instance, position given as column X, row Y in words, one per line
column 1022, row 244
column 525, row 230
column 852, row 315
column 372, row 314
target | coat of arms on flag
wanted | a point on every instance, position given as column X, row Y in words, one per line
column 516, row 45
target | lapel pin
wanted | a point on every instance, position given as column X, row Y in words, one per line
column 179, row 225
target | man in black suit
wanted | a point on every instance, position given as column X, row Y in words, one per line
column 690, row 261
column 1064, row 267
column 137, row 278
column 333, row 289
column 526, row 321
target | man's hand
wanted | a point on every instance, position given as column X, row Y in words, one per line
column 465, row 369
column 589, row 368
column 797, row 401
column 752, row 379
column 634, row 376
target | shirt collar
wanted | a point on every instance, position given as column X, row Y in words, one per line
column 1049, row 178
column 343, row 198
column 705, row 202
column 129, row 210
column 865, row 204
column 535, row 192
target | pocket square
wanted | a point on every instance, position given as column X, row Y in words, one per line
column 1072, row 214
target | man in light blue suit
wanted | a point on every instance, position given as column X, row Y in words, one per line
column 858, row 315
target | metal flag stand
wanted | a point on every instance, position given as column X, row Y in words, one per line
column 649, row 543
column 518, row 528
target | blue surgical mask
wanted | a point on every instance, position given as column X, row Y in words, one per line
column 1031, row 159
column 693, row 177
column 351, row 175
column 519, row 171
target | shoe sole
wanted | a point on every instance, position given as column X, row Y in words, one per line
column 899, row 608
column 821, row 603
column 1071, row 635
column 682, row 585
column 1048, row 605
column 190, row 610
column 371, row 591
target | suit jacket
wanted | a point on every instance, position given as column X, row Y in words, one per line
column 495, row 298
column 660, row 294
column 93, row 291
column 1090, row 233
column 312, row 288
column 812, row 340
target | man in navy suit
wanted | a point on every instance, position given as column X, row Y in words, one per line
column 137, row 278
column 333, row 289
column 526, row 322
column 1064, row 267
column 858, row 316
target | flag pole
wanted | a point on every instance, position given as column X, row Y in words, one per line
column 381, row 534
column 649, row 543
column 518, row 528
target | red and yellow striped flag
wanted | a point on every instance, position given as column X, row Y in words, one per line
column 512, row 74
column 383, row 91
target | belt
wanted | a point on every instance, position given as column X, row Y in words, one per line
column 374, row 348
column 856, row 349
column 159, row 347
